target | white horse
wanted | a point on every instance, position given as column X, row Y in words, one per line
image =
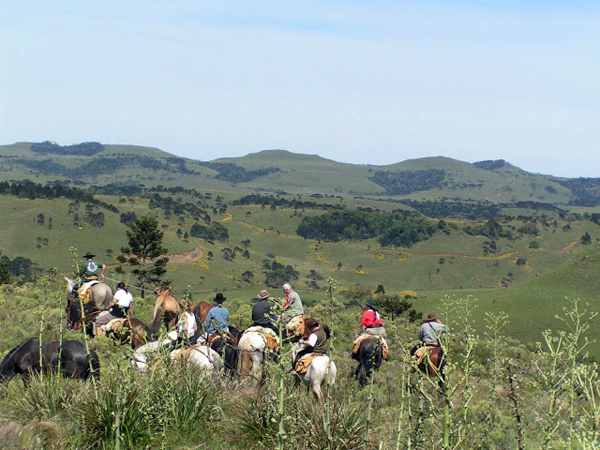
column 253, row 348
column 316, row 375
column 200, row 356
column 140, row 356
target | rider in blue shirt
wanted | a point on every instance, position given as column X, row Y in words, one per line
column 217, row 319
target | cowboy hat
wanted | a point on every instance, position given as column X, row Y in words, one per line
column 263, row 294
column 431, row 316
column 219, row 298
column 89, row 255
column 371, row 304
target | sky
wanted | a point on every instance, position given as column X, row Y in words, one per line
column 361, row 82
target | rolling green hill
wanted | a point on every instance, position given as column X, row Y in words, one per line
column 274, row 171
column 526, row 269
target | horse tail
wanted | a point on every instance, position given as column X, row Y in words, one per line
column 245, row 364
column 154, row 328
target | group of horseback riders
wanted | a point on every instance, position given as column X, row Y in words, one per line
column 309, row 336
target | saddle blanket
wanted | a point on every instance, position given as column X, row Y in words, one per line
column 303, row 363
column 362, row 337
column 420, row 353
column 269, row 335
column 84, row 291
column 115, row 325
column 226, row 336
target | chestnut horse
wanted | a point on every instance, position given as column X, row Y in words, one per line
column 201, row 311
column 168, row 304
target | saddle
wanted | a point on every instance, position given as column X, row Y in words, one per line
column 270, row 337
column 362, row 337
column 226, row 336
column 303, row 363
column 419, row 355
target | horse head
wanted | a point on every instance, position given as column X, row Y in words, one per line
column 163, row 290
column 70, row 285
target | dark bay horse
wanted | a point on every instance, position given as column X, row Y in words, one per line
column 72, row 357
column 225, row 344
column 369, row 357
column 133, row 330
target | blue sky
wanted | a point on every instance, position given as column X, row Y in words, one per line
column 360, row 82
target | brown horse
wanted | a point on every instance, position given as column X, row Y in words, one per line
column 201, row 311
column 432, row 362
column 168, row 304
column 133, row 330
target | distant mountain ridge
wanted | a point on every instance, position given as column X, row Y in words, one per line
column 279, row 171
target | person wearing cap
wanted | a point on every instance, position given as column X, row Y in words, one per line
column 370, row 321
column 293, row 311
column 316, row 342
column 261, row 312
column 217, row 319
column 430, row 329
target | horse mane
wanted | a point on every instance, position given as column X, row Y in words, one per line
column 8, row 358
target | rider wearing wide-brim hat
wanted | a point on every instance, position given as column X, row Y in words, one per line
column 262, row 315
column 217, row 319
column 430, row 330
column 90, row 270
column 370, row 321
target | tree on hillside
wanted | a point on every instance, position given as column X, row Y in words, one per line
column 145, row 242
column 586, row 239
column 395, row 306
column 5, row 276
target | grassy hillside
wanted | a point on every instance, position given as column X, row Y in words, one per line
column 282, row 171
column 455, row 262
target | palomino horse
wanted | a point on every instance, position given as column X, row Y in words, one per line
column 168, row 304
column 254, row 348
column 72, row 359
column 369, row 357
column 100, row 294
column 132, row 330
column 321, row 370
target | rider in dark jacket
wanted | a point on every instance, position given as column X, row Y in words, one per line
column 261, row 312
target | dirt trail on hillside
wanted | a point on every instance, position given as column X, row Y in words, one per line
column 179, row 258
column 186, row 257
